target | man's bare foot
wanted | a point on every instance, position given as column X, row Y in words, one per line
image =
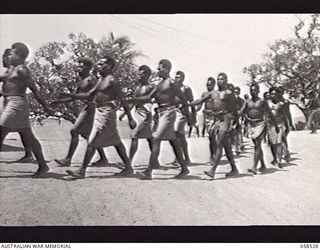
column 126, row 172
column 279, row 164
column 287, row 157
column 100, row 163
column 252, row 171
column 175, row 163
column 146, row 175
column 182, row 174
column 63, row 162
column 41, row 172
column 157, row 166
column 262, row 169
column 76, row 173
column 210, row 173
column 274, row 162
column 232, row 173
column 210, row 162
column 26, row 159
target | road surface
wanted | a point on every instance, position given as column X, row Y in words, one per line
column 278, row 197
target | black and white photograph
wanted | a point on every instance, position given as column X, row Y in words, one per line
column 159, row 120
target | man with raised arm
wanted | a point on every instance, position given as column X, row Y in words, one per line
column 181, row 120
column 211, row 82
column 15, row 114
column 84, row 122
column 28, row 151
column 165, row 95
column 142, row 113
column 104, row 133
column 219, row 123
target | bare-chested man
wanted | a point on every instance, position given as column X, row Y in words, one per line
column 181, row 119
column 165, row 96
column 211, row 82
column 104, row 133
column 266, row 96
column 314, row 109
column 238, row 140
column 219, row 123
column 276, row 140
column 84, row 122
column 245, row 122
column 15, row 115
column 142, row 114
column 207, row 109
column 286, row 152
column 256, row 111
column 27, row 158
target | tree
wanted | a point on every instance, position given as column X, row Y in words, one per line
column 293, row 63
column 53, row 67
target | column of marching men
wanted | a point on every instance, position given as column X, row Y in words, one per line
column 227, row 117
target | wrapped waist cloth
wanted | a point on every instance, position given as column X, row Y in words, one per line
column 257, row 128
column 180, row 123
column 216, row 124
column 84, row 121
column 164, row 123
column 273, row 136
column 15, row 113
column 104, row 132
column 143, row 118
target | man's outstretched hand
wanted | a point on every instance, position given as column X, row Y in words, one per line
column 132, row 124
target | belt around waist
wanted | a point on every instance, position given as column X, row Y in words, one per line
column 216, row 114
column 162, row 108
column 255, row 120
column 106, row 104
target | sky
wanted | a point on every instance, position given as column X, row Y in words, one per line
column 201, row 45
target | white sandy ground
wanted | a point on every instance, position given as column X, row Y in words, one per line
column 277, row 197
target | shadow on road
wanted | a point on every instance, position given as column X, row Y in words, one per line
column 110, row 164
column 45, row 176
column 236, row 176
column 188, row 177
column 271, row 171
column 9, row 148
column 16, row 162
column 292, row 160
column 13, row 171
column 288, row 164
column 162, row 167
column 227, row 177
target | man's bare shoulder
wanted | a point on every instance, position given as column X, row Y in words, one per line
column 186, row 87
column 111, row 80
column 23, row 71
column 92, row 78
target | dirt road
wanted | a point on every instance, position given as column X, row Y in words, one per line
column 277, row 197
